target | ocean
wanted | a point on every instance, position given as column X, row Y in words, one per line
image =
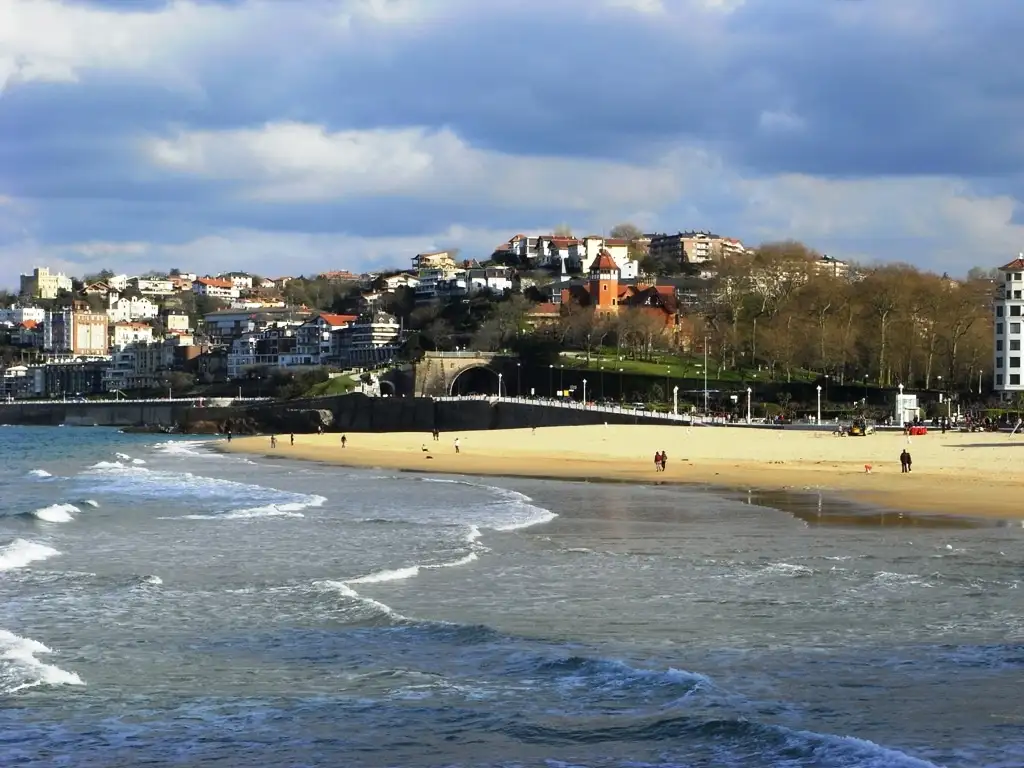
column 165, row 605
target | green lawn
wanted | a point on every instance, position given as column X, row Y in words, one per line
column 339, row 385
column 672, row 366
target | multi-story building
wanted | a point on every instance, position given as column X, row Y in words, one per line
column 153, row 286
column 73, row 378
column 372, row 340
column 826, row 265
column 123, row 309
column 76, row 332
column 214, row 287
column 17, row 315
column 223, row 326
column 313, row 338
column 261, row 349
column 434, row 260
column 434, row 283
column 176, row 322
column 494, row 279
column 1008, row 307
column 128, row 334
column 688, row 248
column 43, row 284
column 240, row 280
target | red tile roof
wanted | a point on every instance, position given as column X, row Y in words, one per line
column 544, row 308
column 337, row 319
column 604, row 263
column 214, row 282
column 1017, row 263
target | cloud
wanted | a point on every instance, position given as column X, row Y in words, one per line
column 867, row 129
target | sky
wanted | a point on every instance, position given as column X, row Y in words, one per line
column 289, row 137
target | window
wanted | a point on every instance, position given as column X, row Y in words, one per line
column 1015, row 362
column 999, row 362
column 1016, row 294
column 1015, row 345
column 1016, row 275
column 999, row 328
column 999, row 345
column 1014, row 327
column 999, row 311
column 1015, row 310
column 1014, row 379
column 999, row 379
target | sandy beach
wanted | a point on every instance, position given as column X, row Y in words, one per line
column 959, row 474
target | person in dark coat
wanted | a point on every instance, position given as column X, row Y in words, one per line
column 905, row 461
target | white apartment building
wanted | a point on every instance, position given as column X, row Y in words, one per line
column 313, row 338
column 239, row 280
column 1008, row 307
column 214, row 287
column 18, row 315
column 126, row 334
column 433, row 281
column 495, row 279
column 153, row 286
column 125, row 309
column 371, row 340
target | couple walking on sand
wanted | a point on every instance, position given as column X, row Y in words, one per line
column 659, row 461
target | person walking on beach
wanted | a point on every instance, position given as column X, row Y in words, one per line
column 905, row 461
column 273, row 441
column 657, row 461
column 344, row 440
column 437, row 434
column 456, row 445
column 664, row 458
column 292, row 439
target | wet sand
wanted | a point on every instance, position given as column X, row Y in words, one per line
column 970, row 475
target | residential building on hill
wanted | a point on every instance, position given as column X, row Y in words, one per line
column 223, row 326
column 153, row 286
column 434, row 260
column 370, row 341
column 314, row 338
column 216, row 288
column 127, row 334
column 123, row 309
column 43, row 284
column 77, row 332
column 17, row 315
column 688, row 248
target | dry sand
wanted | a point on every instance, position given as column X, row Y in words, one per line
column 960, row 474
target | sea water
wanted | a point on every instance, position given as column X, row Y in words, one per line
column 165, row 605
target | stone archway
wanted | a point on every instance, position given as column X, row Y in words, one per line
column 389, row 386
column 475, row 380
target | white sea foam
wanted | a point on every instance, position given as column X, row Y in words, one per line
column 291, row 509
column 123, row 456
column 21, row 552
column 20, row 669
column 151, row 580
column 138, row 461
column 40, row 473
column 91, row 503
column 185, row 448
column 367, row 604
column 56, row 513
column 398, row 574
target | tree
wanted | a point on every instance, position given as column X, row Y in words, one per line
column 626, row 231
column 563, row 230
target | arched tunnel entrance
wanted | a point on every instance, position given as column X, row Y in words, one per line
column 387, row 388
column 476, row 380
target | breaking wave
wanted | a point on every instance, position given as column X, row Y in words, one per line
column 20, row 669
column 21, row 552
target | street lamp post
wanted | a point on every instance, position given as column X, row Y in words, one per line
column 705, row 375
column 519, row 383
column 675, row 400
column 499, row 385
column 602, row 381
column 551, row 380
column 819, row 404
column 584, row 393
column 748, row 404
column 899, row 406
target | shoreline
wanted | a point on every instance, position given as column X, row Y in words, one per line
column 955, row 475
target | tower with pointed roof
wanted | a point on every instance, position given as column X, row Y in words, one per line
column 604, row 284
